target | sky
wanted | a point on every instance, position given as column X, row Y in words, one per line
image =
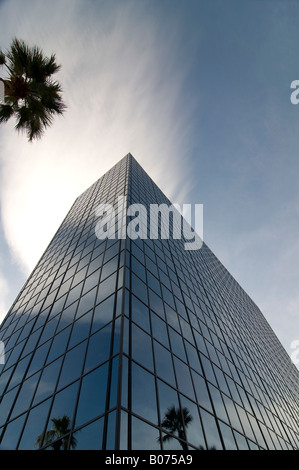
column 199, row 92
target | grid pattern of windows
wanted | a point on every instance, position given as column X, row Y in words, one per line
column 62, row 334
column 139, row 344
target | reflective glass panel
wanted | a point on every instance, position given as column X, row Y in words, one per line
column 92, row 395
column 144, row 436
column 142, row 347
column 211, row 431
column 90, row 437
column 144, row 394
column 35, row 427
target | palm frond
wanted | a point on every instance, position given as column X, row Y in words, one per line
column 24, row 116
column 6, row 111
column 50, row 96
column 35, row 130
column 51, row 66
column 166, row 438
column 19, row 57
column 2, row 58
column 187, row 416
column 30, row 93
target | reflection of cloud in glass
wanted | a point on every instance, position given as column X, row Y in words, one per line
column 211, row 431
column 98, row 349
column 93, row 395
column 44, row 389
column 195, row 433
column 144, row 436
column 67, row 315
column 171, row 443
column 103, row 313
column 143, row 394
column 47, row 380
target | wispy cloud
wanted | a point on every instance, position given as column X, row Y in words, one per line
column 123, row 89
column 4, row 289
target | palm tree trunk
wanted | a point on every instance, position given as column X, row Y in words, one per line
column 57, row 445
column 182, row 437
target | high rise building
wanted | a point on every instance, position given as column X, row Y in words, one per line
column 123, row 343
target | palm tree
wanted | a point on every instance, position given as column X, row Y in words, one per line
column 174, row 420
column 31, row 95
column 58, row 435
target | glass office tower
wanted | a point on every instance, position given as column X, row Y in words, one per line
column 138, row 343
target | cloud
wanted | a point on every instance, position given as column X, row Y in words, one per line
column 4, row 289
column 264, row 260
column 123, row 90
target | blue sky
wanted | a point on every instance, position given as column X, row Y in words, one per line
column 199, row 92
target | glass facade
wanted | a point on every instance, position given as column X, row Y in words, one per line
column 139, row 344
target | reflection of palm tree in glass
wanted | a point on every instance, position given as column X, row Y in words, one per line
column 57, row 436
column 173, row 421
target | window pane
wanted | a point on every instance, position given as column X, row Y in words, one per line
column 48, row 380
column 170, row 442
column 103, row 313
column 12, row 434
column 227, row 436
column 80, row 329
column 168, row 397
column 184, row 378
column 90, row 437
column 114, row 383
column 123, row 431
column 144, row 394
column 67, row 316
column 38, row 358
column 241, row 441
column 92, row 395
column 86, row 302
column 110, row 438
column 142, row 347
column 211, row 432
column 59, row 344
column 164, row 365
column 177, row 344
column 193, row 426
column 193, row 357
column 98, row 349
column 144, row 436
column 35, row 426
column 6, row 404
column 109, row 268
column 140, row 314
column 62, row 411
column 25, row 396
column 106, row 288
column 72, row 365
column 201, row 391
column 218, row 403
column 139, row 288
column 159, row 330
